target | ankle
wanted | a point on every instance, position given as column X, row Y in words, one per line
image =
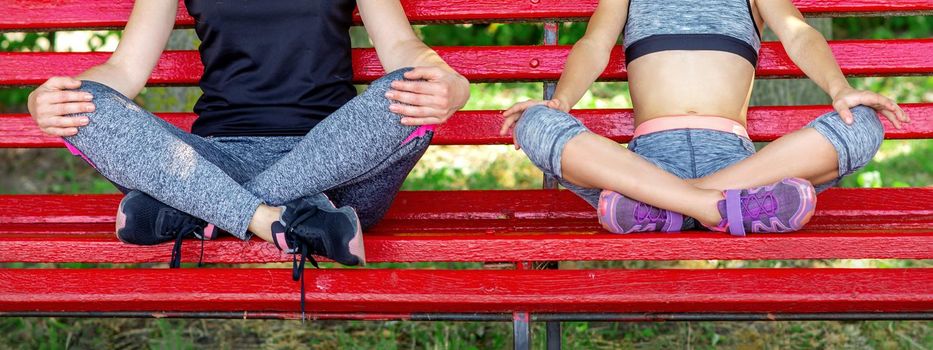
column 261, row 223
column 710, row 216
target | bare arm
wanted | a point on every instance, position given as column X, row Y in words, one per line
column 442, row 90
column 590, row 54
column 809, row 50
column 139, row 50
column 126, row 71
column 587, row 60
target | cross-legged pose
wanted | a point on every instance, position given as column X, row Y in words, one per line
column 283, row 148
column 691, row 66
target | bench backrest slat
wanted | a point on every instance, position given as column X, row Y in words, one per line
column 89, row 14
column 495, row 63
column 482, row 127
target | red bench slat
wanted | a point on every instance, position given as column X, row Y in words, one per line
column 472, row 205
column 482, row 127
column 90, row 14
column 494, row 63
column 494, row 226
column 422, row 291
column 493, row 247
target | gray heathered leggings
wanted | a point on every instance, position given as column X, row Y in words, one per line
column 692, row 153
column 357, row 155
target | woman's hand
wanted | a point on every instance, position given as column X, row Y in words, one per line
column 849, row 97
column 515, row 112
column 51, row 102
column 429, row 96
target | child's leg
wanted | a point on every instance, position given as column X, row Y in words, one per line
column 349, row 143
column 560, row 145
column 139, row 151
column 823, row 152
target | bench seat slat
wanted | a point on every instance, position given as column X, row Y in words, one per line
column 472, row 205
column 482, row 127
column 496, row 226
column 493, row 247
column 94, row 14
column 423, row 291
column 494, row 63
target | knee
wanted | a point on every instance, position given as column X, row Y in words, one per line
column 380, row 86
column 543, row 132
column 856, row 143
column 533, row 126
column 868, row 121
column 870, row 130
column 107, row 101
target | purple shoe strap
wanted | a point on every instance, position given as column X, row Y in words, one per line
column 675, row 222
column 734, row 212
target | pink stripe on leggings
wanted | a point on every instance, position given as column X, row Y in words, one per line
column 74, row 150
column 419, row 132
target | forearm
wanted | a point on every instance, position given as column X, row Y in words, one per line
column 809, row 50
column 584, row 65
column 146, row 33
column 113, row 76
column 411, row 53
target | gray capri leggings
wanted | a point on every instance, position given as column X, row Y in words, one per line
column 359, row 156
column 692, row 153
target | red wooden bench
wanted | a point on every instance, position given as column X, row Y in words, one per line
column 481, row 226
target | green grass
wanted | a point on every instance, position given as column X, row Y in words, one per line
column 56, row 333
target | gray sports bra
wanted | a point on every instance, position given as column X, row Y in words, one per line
column 718, row 25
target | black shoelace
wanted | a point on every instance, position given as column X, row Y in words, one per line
column 302, row 251
column 185, row 227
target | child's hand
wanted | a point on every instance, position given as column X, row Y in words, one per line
column 849, row 97
column 515, row 112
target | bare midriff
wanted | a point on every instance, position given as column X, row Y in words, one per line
column 698, row 83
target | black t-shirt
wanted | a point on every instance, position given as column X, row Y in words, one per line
column 271, row 67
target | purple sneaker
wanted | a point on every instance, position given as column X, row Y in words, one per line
column 781, row 207
column 619, row 214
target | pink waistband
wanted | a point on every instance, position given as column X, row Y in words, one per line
column 691, row 122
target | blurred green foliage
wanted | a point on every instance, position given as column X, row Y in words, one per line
column 496, row 34
column 915, row 27
column 14, row 100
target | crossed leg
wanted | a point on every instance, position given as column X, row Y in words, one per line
column 585, row 162
column 821, row 153
column 136, row 150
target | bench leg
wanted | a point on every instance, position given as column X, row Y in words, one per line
column 553, row 335
column 521, row 330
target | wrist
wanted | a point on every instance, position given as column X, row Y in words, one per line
column 838, row 88
column 464, row 85
column 561, row 100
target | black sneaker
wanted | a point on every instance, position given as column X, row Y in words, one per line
column 315, row 226
column 321, row 229
column 143, row 220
